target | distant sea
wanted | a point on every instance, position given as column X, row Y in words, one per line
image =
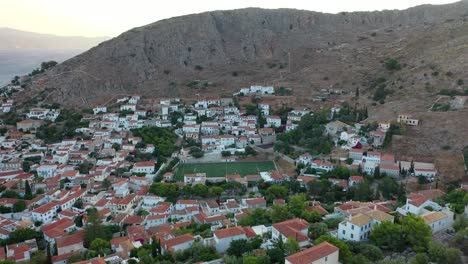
column 22, row 62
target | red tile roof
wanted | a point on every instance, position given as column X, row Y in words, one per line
column 319, row 209
column 229, row 232
column 45, row 208
column 168, row 244
column 312, row 254
column 418, row 198
column 145, row 164
column 356, row 178
column 69, row 240
column 255, row 201
column 292, row 228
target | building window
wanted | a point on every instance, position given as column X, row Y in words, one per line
column 326, row 258
column 352, row 236
column 352, row 227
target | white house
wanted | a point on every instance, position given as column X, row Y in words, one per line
column 183, row 204
column 438, row 221
column 193, row 179
column 224, row 237
column 295, row 228
column 407, row 119
column 358, row 227
column 417, row 202
column 322, row 165
column 273, row 121
column 177, row 243
column 265, row 109
column 128, row 107
column 323, row 253
column 99, row 109
column 155, row 220
column 145, row 167
column 46, row 170
column 305, row 159
column 45, row 213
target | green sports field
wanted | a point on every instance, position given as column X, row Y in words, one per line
column 223, row 168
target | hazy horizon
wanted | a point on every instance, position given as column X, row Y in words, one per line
column 107, row 18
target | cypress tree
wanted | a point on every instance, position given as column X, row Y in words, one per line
column 28, row 195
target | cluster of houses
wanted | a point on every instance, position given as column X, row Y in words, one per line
column 67, row 191
column 363, row 151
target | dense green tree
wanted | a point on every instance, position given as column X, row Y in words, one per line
column 297, row 204
column 19, row 206
column 276, row 192
column 389, row 188
column 168, row 190
column 23, row 234
column 359, row 259
column 441, row 253
column 460, row 223
column 10, row 194
column 255, row 217
column 200, row 190
column 317, row 229
column 101, row 246
column 371, row 252
column 388, row 235
column 216, row 191
column 420, row 258
column 291, row 246
column 361, row 192
column 163, row 139
column 279, row 213
column 78, row 203
column 239, row 247
column 416, row 233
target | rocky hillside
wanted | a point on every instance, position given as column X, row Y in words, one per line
column 226, row 49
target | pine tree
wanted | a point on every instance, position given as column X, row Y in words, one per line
column 28, row 195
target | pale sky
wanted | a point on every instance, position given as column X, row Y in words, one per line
column 112, row 17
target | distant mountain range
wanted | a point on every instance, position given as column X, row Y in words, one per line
column 21, row 51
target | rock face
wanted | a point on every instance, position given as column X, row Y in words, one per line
column 224, row 50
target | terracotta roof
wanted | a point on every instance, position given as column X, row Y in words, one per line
column 319, row 209
column 62, row 257
column 312, row 254
column 356, row 178
column 45, row 208
column 418, row 198
column 69, row 240
column 249, row 232
column 168, row 244
column 293, row 228
column 254, row 201
column 229, row 232
column 145, row 164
